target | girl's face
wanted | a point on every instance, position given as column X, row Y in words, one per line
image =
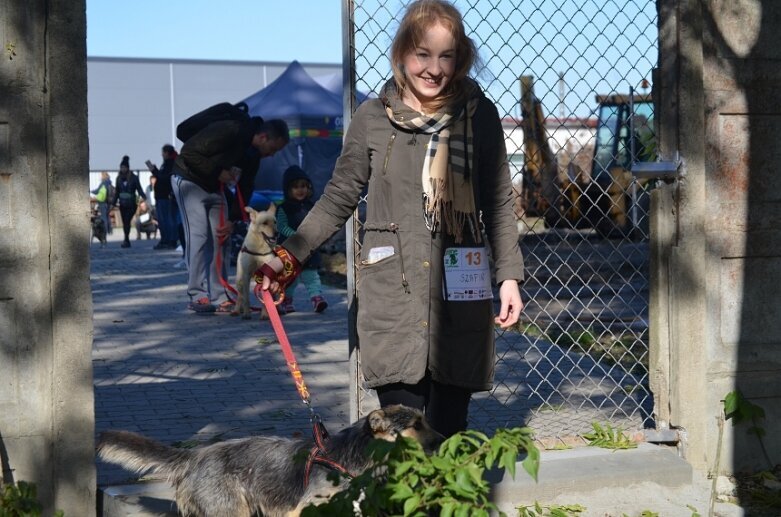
column 299, row 190
column 429, row 67
column 123, row 169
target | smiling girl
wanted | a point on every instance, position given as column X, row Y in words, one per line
column 431, row 152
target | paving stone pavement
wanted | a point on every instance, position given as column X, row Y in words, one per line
column 177, row 376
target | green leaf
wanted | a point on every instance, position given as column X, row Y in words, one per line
column 508, row 462
column 453, row 443
column 402, row 468
column 411, row 504
column 531, row 463
column 440, row 463
column 462, row 510
column 401, row 492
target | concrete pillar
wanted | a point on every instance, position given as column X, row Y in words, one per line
column 46, row 393
column 718, row 83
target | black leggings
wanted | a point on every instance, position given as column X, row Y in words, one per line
column 127, row 215
column 446, row 406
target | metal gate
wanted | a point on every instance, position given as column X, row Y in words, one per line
column 571, row 79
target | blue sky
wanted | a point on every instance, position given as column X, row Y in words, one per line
column 599, row 45
column 243, row 30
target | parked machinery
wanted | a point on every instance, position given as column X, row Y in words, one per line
column 625, row 135
column 604, row 196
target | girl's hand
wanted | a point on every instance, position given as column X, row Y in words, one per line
column 269, row 284
column 511, row 304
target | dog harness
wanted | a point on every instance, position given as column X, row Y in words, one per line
column 318, row 453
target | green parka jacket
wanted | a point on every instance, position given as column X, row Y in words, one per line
column 403, row 330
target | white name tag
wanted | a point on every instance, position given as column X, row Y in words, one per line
column 467, row 274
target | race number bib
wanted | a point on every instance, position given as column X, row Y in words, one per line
column 467, row 275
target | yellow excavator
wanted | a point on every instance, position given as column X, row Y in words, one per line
column 540, row 170
column 604, row 196
column 625, row 135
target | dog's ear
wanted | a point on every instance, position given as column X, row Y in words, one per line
column 272, row 208
column 249, row 209
column 378, row 423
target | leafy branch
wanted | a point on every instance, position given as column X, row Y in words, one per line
column 739, row 409
column 608, row 438
column 21, row 500
column 406, row 481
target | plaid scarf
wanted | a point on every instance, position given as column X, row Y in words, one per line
column 448, row 196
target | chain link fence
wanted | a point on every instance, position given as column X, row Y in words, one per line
column 571, row 79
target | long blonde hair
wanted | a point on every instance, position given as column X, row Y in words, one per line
column 418, row 18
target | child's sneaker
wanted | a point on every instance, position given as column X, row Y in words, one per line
column 319, row 304
column 202, row 304
column 287, row 306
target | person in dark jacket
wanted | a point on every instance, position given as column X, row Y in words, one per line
column 125, row 189
column 165, row 205
column 298, row 190
column 207, row 167
column 430, row 150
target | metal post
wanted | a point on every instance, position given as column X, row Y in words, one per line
column 348, row 92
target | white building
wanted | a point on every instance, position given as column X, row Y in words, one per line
column 566, row 138
column 135, row 104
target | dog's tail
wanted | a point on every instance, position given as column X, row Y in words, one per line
column 140, row 454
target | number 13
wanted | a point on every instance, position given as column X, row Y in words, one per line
column 474, row 258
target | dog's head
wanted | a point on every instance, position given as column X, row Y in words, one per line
column 391, row 421
column 263, row 223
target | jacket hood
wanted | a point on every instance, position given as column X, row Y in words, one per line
column 293, row 173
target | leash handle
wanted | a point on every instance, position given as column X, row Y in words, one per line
column 287, row 350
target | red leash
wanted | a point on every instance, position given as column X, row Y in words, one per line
column 318, row 452
column 287, row 350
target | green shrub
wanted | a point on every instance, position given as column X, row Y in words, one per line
column 406, row 481
column 21, row 500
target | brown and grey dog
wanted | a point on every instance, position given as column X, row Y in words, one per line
column 247, row 476
column 256, row 250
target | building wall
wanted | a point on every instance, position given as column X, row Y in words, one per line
column 135, row 104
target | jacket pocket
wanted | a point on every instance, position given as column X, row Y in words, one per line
column 383, row 303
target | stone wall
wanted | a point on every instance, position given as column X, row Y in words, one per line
column 715, row 319
column 46, row 394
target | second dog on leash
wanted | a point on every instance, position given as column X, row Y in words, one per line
column 246, row 476
column 98, row 228
column 256, row 251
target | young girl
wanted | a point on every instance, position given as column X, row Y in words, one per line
column 431, row 150
column 298, row 202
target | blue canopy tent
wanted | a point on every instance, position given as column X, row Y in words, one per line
column 314, row 115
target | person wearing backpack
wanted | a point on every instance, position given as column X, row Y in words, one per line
column 126, row 188
column 209, row 162
column 103, row 195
